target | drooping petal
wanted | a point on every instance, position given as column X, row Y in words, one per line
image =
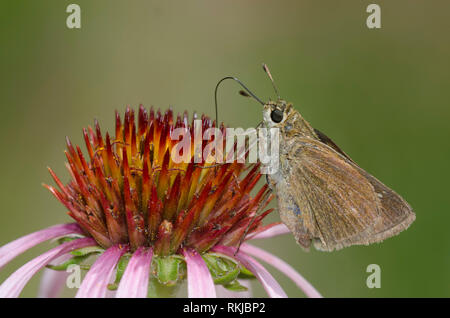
column 269, row 283
column 222, row 292
column 283, row 267
column 134, row 282
column 52, row 281
column 17, row 247
column 14, row 284
column 270, row 231
column 200, row 282
column 97, row 278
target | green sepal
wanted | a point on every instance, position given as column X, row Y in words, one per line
column 65, row 239
column 223, row 270
column 80, row 255
column 76, row 260
column 121, row 266
column 245, row 273
column 87, row 250
column 235, row 286
column 168, row 270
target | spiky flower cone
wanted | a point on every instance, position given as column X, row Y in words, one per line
column 132, row 192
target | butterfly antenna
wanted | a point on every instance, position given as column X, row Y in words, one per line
column 266, row 69
column 243, row 86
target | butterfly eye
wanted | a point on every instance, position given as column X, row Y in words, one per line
column 276, row 115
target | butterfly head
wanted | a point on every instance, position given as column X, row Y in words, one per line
column 276, row 113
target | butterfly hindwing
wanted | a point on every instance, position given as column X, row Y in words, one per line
column 340, row 203
column 397, row 212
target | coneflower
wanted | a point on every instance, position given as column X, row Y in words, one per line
column 149, row 222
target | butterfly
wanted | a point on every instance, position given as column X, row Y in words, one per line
column 324, row 197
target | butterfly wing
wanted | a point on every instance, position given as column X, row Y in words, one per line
column 326, row 198
column 397, row 213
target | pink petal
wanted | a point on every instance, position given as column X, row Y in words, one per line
column 17, row 247
column 222, row 292
column 97, row 278
column 269, row 283
column 134, row 282
column 200, row 282
column 52, row 282
column 270, row 231
column 283, row 267
column 14, row 284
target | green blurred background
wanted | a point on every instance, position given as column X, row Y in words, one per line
column 382, row 95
